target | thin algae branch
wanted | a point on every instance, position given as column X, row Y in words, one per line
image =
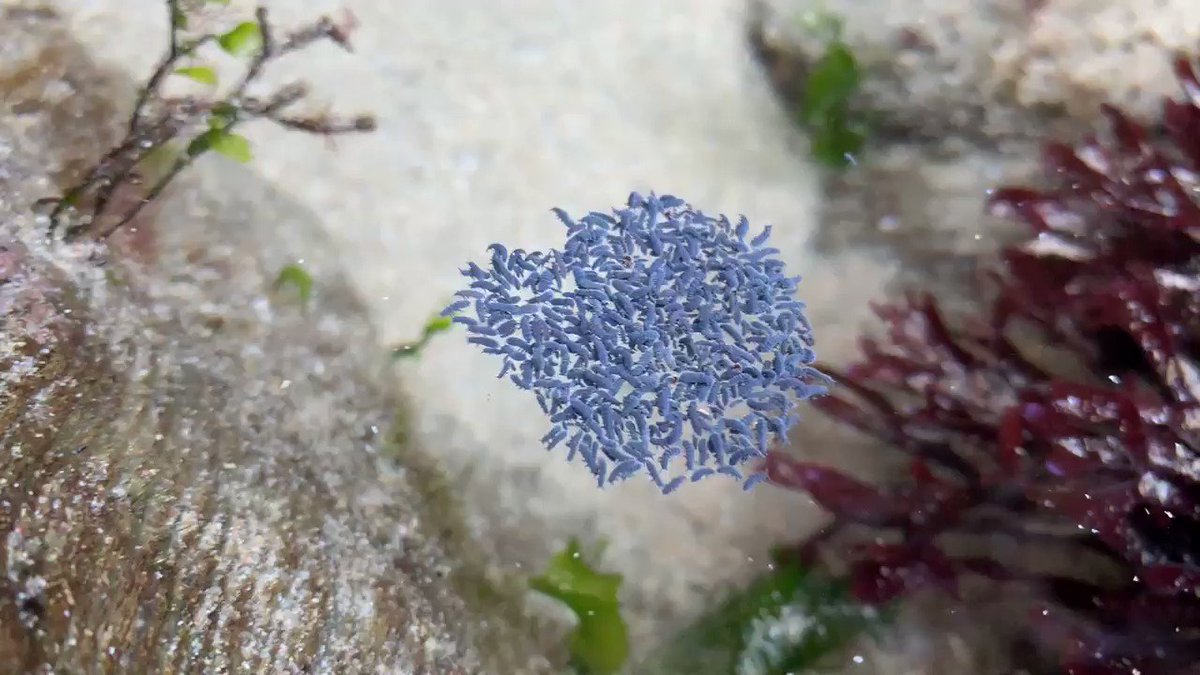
column 158, row 121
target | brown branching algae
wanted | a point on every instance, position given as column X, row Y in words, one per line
column 157, row 121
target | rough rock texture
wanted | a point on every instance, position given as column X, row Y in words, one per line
column 995, row 70
column 959, row 97
column 914, row 205
column 194, row 476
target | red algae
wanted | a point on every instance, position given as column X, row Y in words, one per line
column 1094, row 449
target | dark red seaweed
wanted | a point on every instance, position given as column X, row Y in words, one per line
column 999, row 438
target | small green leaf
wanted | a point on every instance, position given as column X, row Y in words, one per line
column 831, row 83
column 232, row 146
column 245, row 39
column 836, row 133
column 218, row 2
column 436, row 324
column 295, row 276
column 836, row 143
column 201, row 74
column 600, row 642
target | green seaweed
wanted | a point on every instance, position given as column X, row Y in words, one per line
column 298, row 278
column 244, row 39
column 201, row 74
column 222, row 142
column 599, row 645
column 789, row 620
column 436, row 324
column 836, row 132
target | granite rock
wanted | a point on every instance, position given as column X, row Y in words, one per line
column 959, row 97
column 991, row 70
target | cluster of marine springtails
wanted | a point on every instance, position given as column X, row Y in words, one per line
column 657, row 337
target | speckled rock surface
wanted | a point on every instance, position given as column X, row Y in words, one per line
column 994, row 70
column 194, row 476
column 960, row 95
column 912, row 206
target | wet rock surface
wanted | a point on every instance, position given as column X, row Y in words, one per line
column 990, row 71
column 196, row 476
column 959, row 97
column 923, row 211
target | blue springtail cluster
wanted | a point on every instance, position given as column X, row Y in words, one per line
column 658, row 340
